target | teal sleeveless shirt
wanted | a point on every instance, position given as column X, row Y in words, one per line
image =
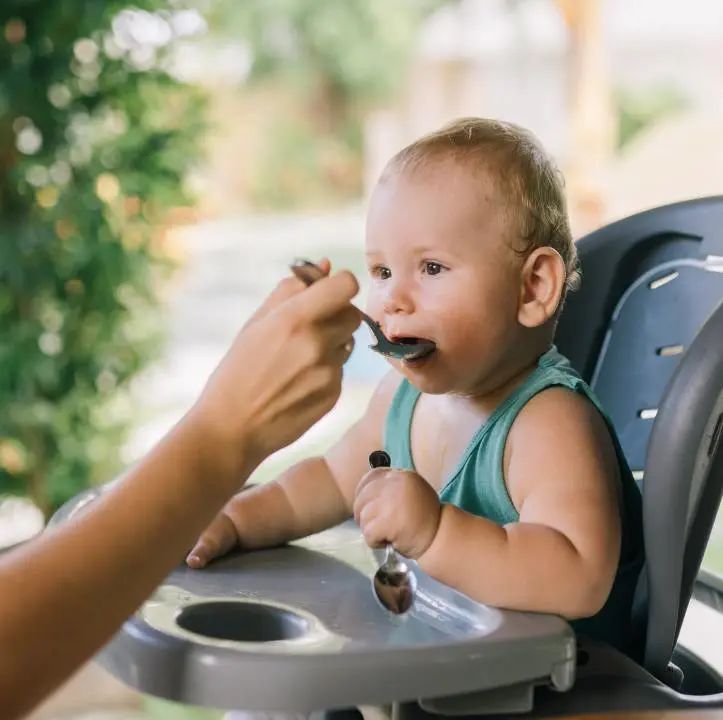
column 477, row 486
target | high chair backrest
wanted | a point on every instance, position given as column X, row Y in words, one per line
column 650, row 282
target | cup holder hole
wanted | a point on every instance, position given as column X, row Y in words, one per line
column 243, row 622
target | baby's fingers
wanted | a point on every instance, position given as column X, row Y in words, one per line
column 368, row 489
column 217, row 539
column 374, row 533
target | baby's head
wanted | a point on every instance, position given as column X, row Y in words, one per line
column 468, row 244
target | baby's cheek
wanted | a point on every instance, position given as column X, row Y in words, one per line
column 470, row 349
column 491, row 324
column 463, row 331
column 374, row 304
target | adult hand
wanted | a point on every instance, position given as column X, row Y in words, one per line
column 283, row 371
column 398, row 507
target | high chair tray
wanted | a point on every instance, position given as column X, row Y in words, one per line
column 297, row 629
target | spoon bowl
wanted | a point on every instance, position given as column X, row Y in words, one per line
column 394, row 584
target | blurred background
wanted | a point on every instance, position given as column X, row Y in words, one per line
column 162, row 162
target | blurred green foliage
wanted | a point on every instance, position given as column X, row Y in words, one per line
column 640, row 109
column 95, row 139
column 336, row 59
column 352, row 51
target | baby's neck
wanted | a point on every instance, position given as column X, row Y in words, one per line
column 495, row 390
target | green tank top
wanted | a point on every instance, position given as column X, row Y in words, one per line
column 477, row 485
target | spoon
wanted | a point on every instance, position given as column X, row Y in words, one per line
column 309, row 273
column 394, row 584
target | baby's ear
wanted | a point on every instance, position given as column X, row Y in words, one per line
column 541, row 284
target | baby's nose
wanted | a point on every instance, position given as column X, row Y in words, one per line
column 398, row 298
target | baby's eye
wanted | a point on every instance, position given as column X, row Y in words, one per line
column 381, row 272
column 432, row 268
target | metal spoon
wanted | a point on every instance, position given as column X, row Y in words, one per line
column 309, row 273
column 394, row 584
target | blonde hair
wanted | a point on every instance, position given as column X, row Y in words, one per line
column 531, row 179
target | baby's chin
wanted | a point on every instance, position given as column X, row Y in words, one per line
column 426, row 380
column 435, row 377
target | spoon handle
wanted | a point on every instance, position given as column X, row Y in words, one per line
column 380, row 458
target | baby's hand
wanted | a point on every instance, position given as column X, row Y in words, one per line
column 217, row 539
column 398, row 507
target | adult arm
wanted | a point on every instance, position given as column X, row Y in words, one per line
column 66, row 593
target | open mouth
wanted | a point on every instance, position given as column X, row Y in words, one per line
column 409, row 340
column 419, row 347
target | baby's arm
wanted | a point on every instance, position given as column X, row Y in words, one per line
column 561, row 557
column 311, row 496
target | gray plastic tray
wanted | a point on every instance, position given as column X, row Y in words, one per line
column 297, row 629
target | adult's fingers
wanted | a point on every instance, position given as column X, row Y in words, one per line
column 327, row 296
column 287, row 288
column 334, row 336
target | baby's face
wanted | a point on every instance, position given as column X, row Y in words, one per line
column 442, row 268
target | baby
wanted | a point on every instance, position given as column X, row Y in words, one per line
column 507, row 480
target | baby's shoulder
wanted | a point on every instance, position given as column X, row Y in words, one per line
column 560, row 423
column 558, row 436
column 560, row 410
